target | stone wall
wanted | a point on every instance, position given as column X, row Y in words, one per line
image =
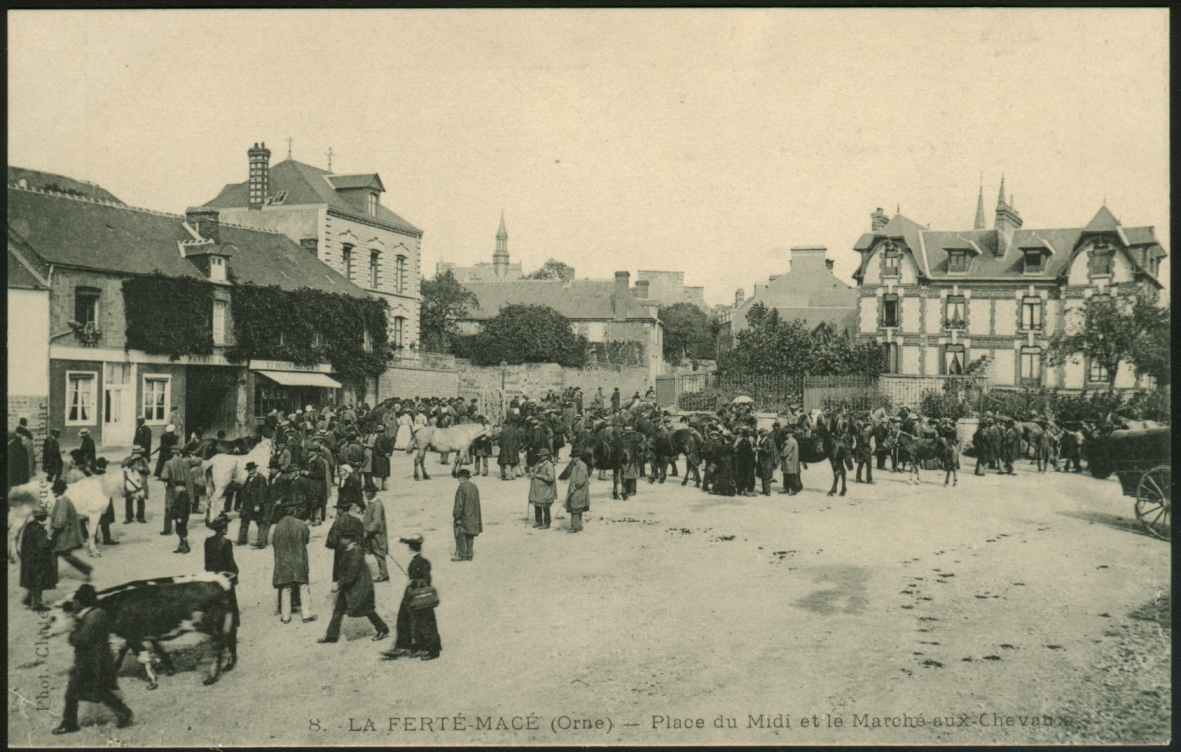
column 406, row 380
column 36, row 410
column 535, row 379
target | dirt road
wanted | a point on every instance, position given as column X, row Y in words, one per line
column 1007, row 610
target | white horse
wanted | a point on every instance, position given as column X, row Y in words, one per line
column 91, row 496
column 221, row 470
column 444, row 440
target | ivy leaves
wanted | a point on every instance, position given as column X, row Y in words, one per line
column 170, row 316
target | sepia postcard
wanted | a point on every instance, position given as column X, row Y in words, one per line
column 588, row 377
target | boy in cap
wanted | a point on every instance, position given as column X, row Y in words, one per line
column 466, row 514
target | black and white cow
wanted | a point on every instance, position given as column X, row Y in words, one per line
column 157, row 610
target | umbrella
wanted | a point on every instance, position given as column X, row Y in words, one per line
column 742, row 399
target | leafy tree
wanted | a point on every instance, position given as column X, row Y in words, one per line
column 553, row 269
column 527, row 334
column 1115, row 330
column 444, row 303
column 771, row 346
column 688, row 333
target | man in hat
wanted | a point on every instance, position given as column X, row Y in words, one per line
column 180, row 511
column 168, row 441
column 616, row 399
column 542, row 483
column 67, row 529
column 18, row 462
column 177, row 477
column 349, row 519
column 791, row 462
column 51, row 455
column 219, row 552
column 578, row 491
column 766, row 458
column 93, row 676
column 982, row 443
column 1012, row 444
column 466, row 516
column 143, row 437
column 863, row 449
column 253, row 496
column 290, row 575
column 377, row 536
column 135, row 491
column 87, row 448
column 38, row 566
column 354, row 590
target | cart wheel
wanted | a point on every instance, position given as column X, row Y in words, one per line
column 1154, row 499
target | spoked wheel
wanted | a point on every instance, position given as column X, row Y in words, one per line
column 1154, row 500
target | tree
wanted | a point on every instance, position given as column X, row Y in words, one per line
column 1115, row 330
column 770, row 346
column 688, row 332
column 444, row 303
column 527, row 334
column 553, row 269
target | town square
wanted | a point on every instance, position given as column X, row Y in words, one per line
column 588, row 377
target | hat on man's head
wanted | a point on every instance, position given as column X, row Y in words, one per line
column 416, row 538
column 251, row 465
column 59, row 486
column 84, row 432
column 169, row 428
column 464, row 473
column 40, row 513
column 220, row 523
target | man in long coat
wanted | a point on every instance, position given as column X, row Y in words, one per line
column 766, row 458
column 510, row 450
column 67, row 529
column 51, row 456
column 541, row 490
column 168, row 441
column 348, row 521
column 93, row 676
column 578, row 491
column 354, row 590
column 466, row 515
column 38, row 565
column 1012, row 447
column 177, row 477
column 982, row 443
column 253, row 495
column 143, row 436
column 377, row 536
column 791, row 463
column 290, row 577
column 18, row 461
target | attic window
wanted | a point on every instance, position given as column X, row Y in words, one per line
column 1033, row 262
column 277, row 198
column 217, row 269
column 373, row 204
column 1100, row 259
column 890, row 260
column 957, row 262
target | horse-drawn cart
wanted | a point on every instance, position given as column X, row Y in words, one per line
column 1141, row 459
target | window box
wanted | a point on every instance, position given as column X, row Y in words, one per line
column 88, row 334
column 959, row 324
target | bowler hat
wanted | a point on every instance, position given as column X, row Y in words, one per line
column 221, row 522
column 416, row 538
column 251, row 465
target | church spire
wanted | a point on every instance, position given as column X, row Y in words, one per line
column 500, row 255
column 980, row 223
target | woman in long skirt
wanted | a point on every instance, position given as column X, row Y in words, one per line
column 417, row 632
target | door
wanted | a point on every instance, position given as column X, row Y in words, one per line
column 118, row 405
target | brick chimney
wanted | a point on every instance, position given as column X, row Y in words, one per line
column 204, row 220
column 260, row 174
column 620, row 294
column 878, row 220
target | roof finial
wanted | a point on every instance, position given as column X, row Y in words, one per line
column 289, row 147
column 1000, row 194
column 330, row 154
column 979, row 224
column 898, row 208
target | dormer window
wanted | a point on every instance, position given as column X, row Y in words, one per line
column 957, row 262
column 1100, row 260
column 373, row 204
column 217, row 269
column 1033, row 262
column 891, row 261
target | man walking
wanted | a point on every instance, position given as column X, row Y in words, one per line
column 67, row 529
column 93, row 676
column 354, row 591
column 466, row 515
column 290, row 576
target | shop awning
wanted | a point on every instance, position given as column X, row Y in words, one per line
column 300, row 378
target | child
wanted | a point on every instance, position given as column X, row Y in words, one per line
column 180, row 517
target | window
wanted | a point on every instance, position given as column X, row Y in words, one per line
column 1031, row 365
column 219, row 322
column 890, row 310
column 1100, row 259
column 954, row 312
column 86, row 305
column 957, row 261
column 1096, row 372
column 400, row 275
column 890, row 357
column 346, row 257
column 1031, row 314
column 156, row 397
column 890, row 260
column 399, row 330
column 311, row 245
column 1033, row 262
column 373, row 204
column 217, row 269
column 81, row 388
column 953, row 360
column 366, row 340
column 373, row 256
column 317, row 339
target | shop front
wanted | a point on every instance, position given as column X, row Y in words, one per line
column 288, row 388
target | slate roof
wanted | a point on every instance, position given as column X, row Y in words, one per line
column 306, row 184
column 346, row 182
column 19, row 274
column 51, row 181
column 577, row 300
column 931, row 247
column 125, row 240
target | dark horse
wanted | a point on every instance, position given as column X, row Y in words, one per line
column 608, row 452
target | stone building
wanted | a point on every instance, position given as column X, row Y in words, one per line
column 808, row 291
column 500, row 270
column 81, row 250
column 603, row 311
column 669, row 288
column 339, row 219
column 939, row 300
column 28, row 339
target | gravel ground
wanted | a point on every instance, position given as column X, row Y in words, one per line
column 1003, row 611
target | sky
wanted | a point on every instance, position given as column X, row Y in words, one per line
column 707, row 141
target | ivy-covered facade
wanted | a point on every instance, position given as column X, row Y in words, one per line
column 185, row 320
